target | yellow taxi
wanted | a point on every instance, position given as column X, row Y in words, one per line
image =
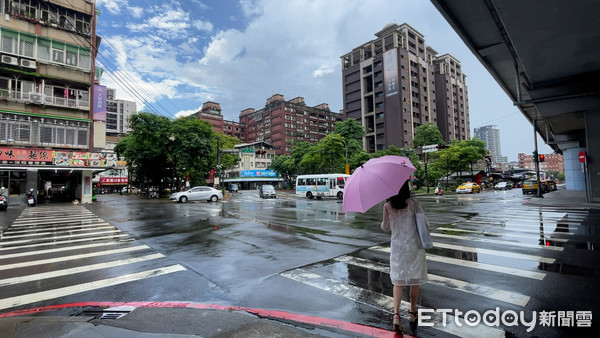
column 468, row 188
column 548, row 185
column 530, row 187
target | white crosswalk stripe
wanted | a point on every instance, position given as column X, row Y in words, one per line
column 512, row 251
column 56, row 251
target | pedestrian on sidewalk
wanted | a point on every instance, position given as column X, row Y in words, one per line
column 408, row 265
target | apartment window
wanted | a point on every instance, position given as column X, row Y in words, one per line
column 58, row 53
column 9, row 41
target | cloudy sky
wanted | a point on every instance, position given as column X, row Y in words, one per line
column 171, row 56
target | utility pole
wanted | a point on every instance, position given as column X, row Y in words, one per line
column 536, row 160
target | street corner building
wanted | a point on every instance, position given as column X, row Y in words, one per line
column 52, row 106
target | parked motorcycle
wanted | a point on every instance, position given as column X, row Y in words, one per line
column 3, row 199
column 153, row 194
column 31, row 198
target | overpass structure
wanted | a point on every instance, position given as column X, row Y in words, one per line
column 545, row 56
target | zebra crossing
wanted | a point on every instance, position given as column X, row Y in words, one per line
column 469, row 257
column 62, row 250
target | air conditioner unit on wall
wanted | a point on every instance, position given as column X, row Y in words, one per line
column 36, row 97
column 28, row 63
column 11, row 60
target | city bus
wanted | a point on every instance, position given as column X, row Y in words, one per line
column 321, row 185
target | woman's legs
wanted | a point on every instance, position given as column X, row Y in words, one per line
column 414, row 295
column 397, row 298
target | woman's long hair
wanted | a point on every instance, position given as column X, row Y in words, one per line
column 399, row 201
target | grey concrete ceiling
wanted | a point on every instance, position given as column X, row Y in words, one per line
column 544, row 54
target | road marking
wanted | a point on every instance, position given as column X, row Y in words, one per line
column 513, row 224
column 10, row 236
column 386, row 303
column 527, row 230
column 497, row 234
column 13, row 233
column 476, row 265
column 456, row 284
column 17, row 247
column 494, row 252
column 71, row 271
column 54, row 222
column 73, row 257
column 495, row 241
column 2, row 242
column 67, row 248
column 78, row 288
column 22, row 220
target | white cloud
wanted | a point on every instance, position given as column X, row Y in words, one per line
column 202, row 25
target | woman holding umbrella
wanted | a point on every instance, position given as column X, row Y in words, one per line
column 408, row 266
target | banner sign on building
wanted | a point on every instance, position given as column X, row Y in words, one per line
column 259, row 173
column 99, row 103
column 113, row 180
column 390, row 72
column 19, row 155
column 59, row 158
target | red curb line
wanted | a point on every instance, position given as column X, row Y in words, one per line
column 326, row 322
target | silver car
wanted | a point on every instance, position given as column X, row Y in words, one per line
column 197, row 194
column 267, row 191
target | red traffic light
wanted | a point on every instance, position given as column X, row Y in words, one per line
column 542, row 158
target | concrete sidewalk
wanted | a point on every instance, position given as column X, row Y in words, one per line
column 170, row 319
column 562, row 198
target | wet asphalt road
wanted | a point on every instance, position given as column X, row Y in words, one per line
column 306, row 256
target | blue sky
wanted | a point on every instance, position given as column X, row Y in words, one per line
column 171, row 56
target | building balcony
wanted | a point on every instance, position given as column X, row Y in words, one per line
column 42, row 99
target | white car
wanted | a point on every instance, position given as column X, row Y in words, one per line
column 197, row 194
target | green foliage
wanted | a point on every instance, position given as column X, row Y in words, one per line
column 427, row 134
column 161, row 151
column 349, row 129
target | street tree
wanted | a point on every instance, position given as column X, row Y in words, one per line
column 145, row 147
column 349, row 129
column 327, row 156
column 427, row 134
column 189, row 147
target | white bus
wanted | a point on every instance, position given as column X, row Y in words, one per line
column 321, row 185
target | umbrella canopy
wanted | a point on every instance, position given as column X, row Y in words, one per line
column 375, row 181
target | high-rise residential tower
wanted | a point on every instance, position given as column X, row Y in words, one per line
column 491, row 136
column 395, row 83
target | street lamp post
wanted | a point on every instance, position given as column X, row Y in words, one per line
column 346, row 166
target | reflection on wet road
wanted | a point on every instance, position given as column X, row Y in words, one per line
column 307, row 256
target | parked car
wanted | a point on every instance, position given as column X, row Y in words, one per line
column 530, row 187
column 503, row 186
column 197, row 194
column 267, row 191
column 468, row 188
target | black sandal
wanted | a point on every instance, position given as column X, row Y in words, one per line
column 414, row 318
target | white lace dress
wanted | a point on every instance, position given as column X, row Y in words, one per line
column 408, row 265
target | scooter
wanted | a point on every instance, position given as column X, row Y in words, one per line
column 31, row 199
column 3, row 199
column 438, row 191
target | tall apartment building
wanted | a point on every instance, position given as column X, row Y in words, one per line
column 452, row 105
column 395, row 83
column 211, row 112
column 284, row 123
column 117, row 113
column 49, row 127
column 491, row 136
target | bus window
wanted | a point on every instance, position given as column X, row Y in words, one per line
column 341, row 182
column 311, row 181
column 301, row 181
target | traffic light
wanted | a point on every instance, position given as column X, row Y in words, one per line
column 536, row 159
column 541, row 157
column 441, row 146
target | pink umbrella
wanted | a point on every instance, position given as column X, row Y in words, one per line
column 375, row 181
